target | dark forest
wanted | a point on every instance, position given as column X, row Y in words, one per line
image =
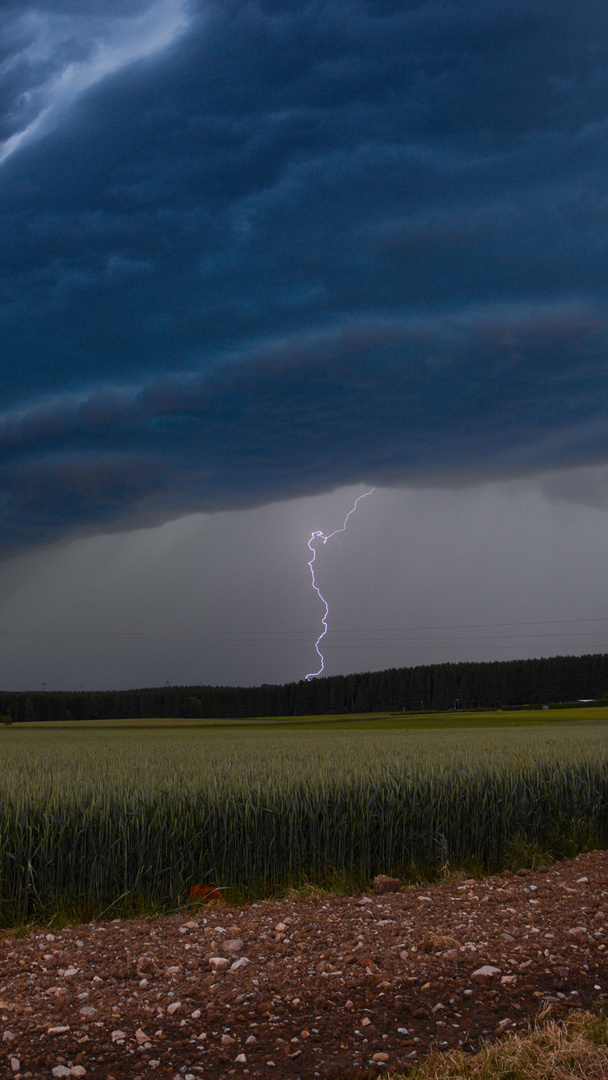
column 497, row 684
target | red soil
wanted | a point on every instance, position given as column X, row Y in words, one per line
column 313, row 988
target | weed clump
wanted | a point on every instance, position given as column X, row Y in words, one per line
column 551, row 1050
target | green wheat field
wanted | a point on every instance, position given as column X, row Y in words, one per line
column 118, row 819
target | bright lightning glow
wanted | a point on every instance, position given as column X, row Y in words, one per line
column 318, row 535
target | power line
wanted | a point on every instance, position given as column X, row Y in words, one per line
column 337, row 639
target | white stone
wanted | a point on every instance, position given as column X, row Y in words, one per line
column 61, row 1070
column 486, row 972
column 15, row 1064
column 220, row 963
column 241, row 963
column 78, row 1070
column 141, row 1036
column 241, row 1058
column 234, row 945
column 8, row 1036
column 173, row 1007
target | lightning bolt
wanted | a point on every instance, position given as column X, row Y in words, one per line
column 318, row 535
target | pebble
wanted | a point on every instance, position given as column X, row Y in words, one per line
column 233, row 946
column 238, row 964
column 173, row 1007
column 15, row 1064
column 220, row 963
column 485, row 972
column 241, row 1058
column 380, row 1057
column 8, row 1036
column 227, row 1040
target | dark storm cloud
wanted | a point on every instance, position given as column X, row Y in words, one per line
column 296, row 246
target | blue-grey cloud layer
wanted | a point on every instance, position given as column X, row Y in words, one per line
column 298, row 245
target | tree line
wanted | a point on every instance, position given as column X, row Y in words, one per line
column 466, row 685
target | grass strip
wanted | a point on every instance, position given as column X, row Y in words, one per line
column 550, row 1050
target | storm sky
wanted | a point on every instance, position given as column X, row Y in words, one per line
column 259, row 256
